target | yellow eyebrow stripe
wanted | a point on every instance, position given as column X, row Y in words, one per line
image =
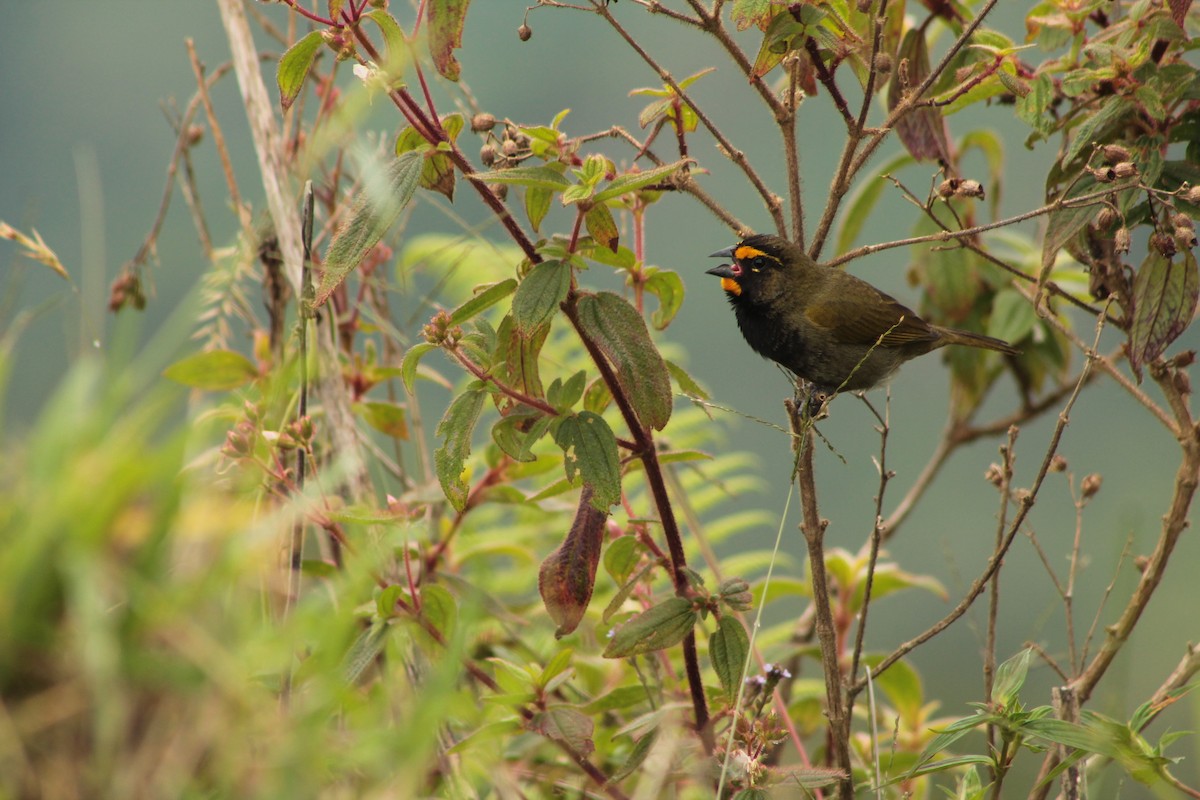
column 746, row 252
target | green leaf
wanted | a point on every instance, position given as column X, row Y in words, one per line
column 455, row 428
column 590, row 450
column 922, row 130
column 727, row 649
column 1164, row 299
column 621, row 557
column 540, row 294
column 1095, row 127
column 602, row 226
column 294, row 66
column 374, row 214
column 537, row 205
column 445, row 20
column 656, row 628
column 1010, row 677
column 387, row 418
column 516, row 435
column 541, row 177
column 565, row 395
column 1012, row 317
column 439, row 609
column 687, row 384
column 395, row 41
column 365, row 649
column 214, row 370
column 408, row 367
column 568, row 575
column 620, row 332
column 517, row 356
column 567, row 724
column 485, row 297
column 863, row 201
column 667, row 286
column 632, row 181
column 613, row 699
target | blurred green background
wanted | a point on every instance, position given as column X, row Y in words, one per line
column 84, row 149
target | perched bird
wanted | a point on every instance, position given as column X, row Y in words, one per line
column 828, row 327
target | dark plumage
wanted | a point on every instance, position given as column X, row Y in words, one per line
column 828, row 327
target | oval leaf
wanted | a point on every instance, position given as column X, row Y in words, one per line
column 445, row 25
column 540, row 294
column 294, row 67
column 590, row 450
column 656, row 628
column 727, row 649
column 456, row 427
column 387, row 418
column 667, row 286
column 215, row 370
column 374, row 214
column 613, row 324
column 484, row 298
column 1164, row 299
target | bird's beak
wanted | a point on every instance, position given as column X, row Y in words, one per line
column 728, row 278
column 726, row 253
column 723, row 271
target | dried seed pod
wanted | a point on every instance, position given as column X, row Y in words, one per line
column 947, row 188
column 1125, row 169
column 1115, row 153
column 500, row 190
column 1104, row 174
column 1181, row 220
column 1121, row 240
column 509, row 148
column 524, row 32
column 1090, row 485
column 883, row 63
column 482, row 122
column 1058, row 463
column 487, row 154
column 1106, row 218
column 969, row 188
column 1163, row 244
column 1192, row 195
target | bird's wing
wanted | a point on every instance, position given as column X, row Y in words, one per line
column 858, row 323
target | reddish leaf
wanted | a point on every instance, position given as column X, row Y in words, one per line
column 1179, row 10
column 568, row 575
column 1164, row 298
column 446, row 19
column 922, row 130
column 565, row 724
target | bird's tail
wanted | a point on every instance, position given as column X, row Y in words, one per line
column 969, row 339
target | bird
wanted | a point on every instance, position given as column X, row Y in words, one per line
column 826, row 326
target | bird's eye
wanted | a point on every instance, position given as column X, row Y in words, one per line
column 758, row 262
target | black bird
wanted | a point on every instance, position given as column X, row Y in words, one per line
column 828, row 327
